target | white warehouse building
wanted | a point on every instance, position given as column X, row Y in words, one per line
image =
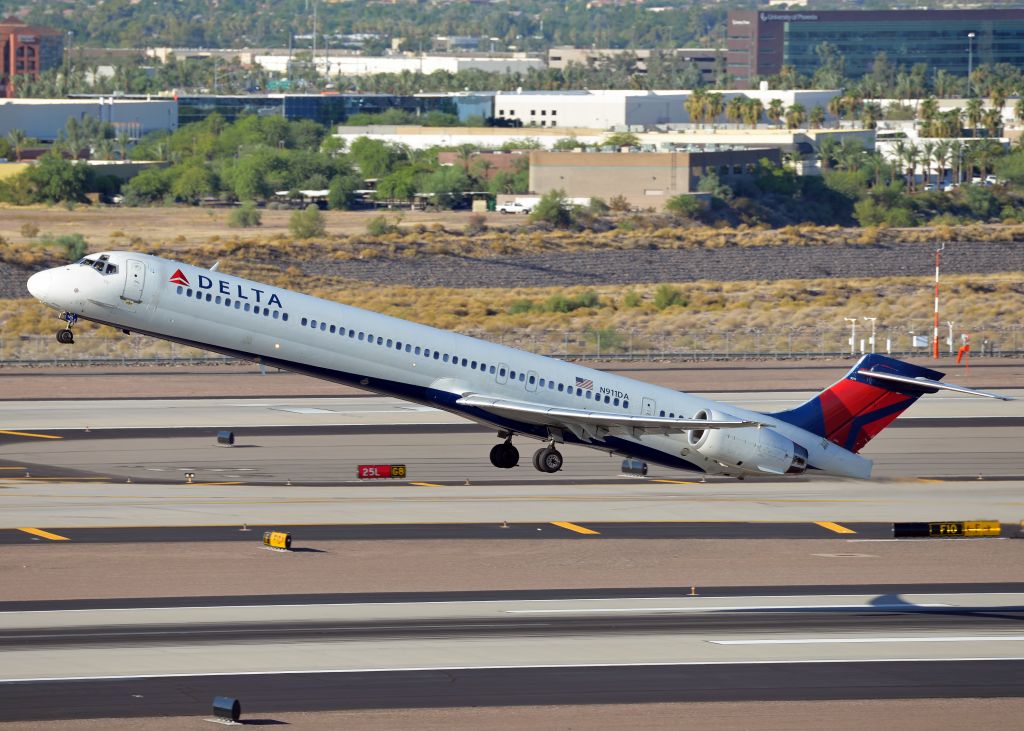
column 44, row 119
column 350, row 65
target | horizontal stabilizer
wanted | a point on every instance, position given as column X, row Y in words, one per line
column 928, row 384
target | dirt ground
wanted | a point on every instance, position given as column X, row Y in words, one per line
column 184, row 225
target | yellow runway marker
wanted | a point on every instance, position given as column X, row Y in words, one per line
column 425, row 484
column 834, row 527
column 12, row 468
column 29, row 434
column 576, row 528
column 44, row 534
column 674, row 482
column 212, row 484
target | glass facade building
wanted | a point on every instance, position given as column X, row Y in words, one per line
column 327, row 109
column 760, row 43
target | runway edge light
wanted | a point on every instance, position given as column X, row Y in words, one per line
column 948, row 529
column 226, row 710
column 278, row 540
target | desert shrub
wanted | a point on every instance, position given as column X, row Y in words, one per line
column 476, row 224
column 519, row 307
column 686, row 206
column 632, row 298
column 554, row 209
column 666, row 296
column 619, row 204
column 29, row 230
column 74, row 246
column 245, row 216
column 380, row 226
column 307, row 223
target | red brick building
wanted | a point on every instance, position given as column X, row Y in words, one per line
column 26, row 50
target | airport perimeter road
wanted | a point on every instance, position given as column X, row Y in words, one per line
column 92, row 662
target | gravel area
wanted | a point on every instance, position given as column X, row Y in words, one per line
column 41, row 571
column 638, row 266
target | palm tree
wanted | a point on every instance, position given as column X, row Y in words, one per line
column 19, row 141
column 998, row 94
column 927, row 155
column 992, row 120
column 775, row 111
column 817, row 116
column 715, row 106
column 105, row 149
column 870, row 113
column 828, row 146
column 752, row 111
column 734, row 110
column 946, row 85
column 927, row 111
column 911, row 156
column 1018, row 109
column 941, row 157
column 956, row 154
column 796, row 115
column 695, row 105
column 974, row 111
column 123, row 143
column 837, row 107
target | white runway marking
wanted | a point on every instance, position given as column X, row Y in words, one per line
column 725, row 609
column 870, row 640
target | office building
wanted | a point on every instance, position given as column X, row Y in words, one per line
column 26, row 50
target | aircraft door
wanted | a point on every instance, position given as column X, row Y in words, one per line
column 501, row 375
column 647, row 407
column 135, row 280
column 531, row 380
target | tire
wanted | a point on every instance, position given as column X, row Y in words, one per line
column 504, row 456
column 497, row 454
column 550, row 460
column 537, row 456
column 65, row 336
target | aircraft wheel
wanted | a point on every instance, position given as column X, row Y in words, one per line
column 537, row 464
column 549, row 460
column 504, row 456
column 65, row 336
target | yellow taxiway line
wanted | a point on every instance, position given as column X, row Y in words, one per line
column 425, row 484
column 575, row 528
column 29, row 434
column 834, row 527
column 44, row 534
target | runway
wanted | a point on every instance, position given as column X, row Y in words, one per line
column 509, row 651
column 142, row 592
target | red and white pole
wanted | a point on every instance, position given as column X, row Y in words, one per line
column 935, row 335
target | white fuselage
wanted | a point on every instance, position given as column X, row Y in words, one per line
column 282, row 328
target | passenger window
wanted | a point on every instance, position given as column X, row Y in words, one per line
column 199, row 295
column 408, row 348
column 360, row 336
column 389, row 342
column 560, row 388
column 217, row 299
column 661, row 413
column 332, row 329
column 491, row 369
column 465, row 363
column 276, row 314
column 445, row 358
column 323, row 326
column 209, row 297
column 188, row 292
column 312, row 324
column 589, row 395
column 247, row 307
column 551, row 385
column 284, row 315
column 180, row 288
column 351, row 333
column 579, row 391
column 398, row 345
column 522, row 377
column 417, row 351
column 512, row 375
column 533, row 380
column 615, row 401
column 625, row 404
column 607, row 400
column 238, row 306
column 502, row 373
column 227, row 301
column 380, row 340
column 542, row 383
column 266, row 313
column 473, row 366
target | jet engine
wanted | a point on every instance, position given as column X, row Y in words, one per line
column 750, row 449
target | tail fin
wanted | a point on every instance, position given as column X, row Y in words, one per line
column 853, row 410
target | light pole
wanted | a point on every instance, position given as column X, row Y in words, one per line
column 872, row 321
column 970, row 60
column 853, row 334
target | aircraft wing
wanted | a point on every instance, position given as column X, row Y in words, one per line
column 585, row 423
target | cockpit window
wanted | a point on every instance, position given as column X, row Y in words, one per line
column 102, row 265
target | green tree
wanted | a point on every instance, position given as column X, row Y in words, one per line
column 446, row 184
column 553, row 208
column 307, row 223
column 149, row 186
column 341, row 194
column 621, row 139
column 54, row 179
column 666, row 296
column 193, row 183
column 684, row 206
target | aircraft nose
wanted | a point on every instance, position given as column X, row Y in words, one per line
column 39, row 285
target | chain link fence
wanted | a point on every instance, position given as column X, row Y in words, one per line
column 604, row 344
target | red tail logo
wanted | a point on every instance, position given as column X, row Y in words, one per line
column 179, row 278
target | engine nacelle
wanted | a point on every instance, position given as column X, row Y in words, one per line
column 750, row 449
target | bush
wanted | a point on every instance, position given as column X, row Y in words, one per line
column 306, row 224
column 29, row 230
column 632, row 298
column 74, row 246
column 686, row 206
column 245, row 216
column 553, row 208
column 476, row 224
column 666, row 296
column 518, row 307
column 380, row 226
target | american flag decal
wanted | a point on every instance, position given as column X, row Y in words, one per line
column 584, row 383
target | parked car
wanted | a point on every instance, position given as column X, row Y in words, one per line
column 513, row 207
column 929, row 186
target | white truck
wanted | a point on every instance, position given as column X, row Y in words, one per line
column 518, row 205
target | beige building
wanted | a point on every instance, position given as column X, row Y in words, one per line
column 707, row 60
column 645, row 179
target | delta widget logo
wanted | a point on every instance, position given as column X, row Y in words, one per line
column 179, row 278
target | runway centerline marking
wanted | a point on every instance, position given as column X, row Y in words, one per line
column 870, row 640
column 675, row 482
column 44, row 534
column 834, row 527
column 29, row 434
column 426, row 484
column 212, row 484
column 575, row 528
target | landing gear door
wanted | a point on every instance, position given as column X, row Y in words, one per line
column 647, row 407
column 135, row 280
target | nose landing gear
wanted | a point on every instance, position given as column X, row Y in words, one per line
column 65, row 336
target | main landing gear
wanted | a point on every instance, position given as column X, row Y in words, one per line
column 65, row 336
column 504, row 456
column 547, row 459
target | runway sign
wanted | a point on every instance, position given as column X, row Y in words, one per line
column 380, row 471
column 276, row 539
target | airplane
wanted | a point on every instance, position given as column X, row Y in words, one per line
column 512, row 391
